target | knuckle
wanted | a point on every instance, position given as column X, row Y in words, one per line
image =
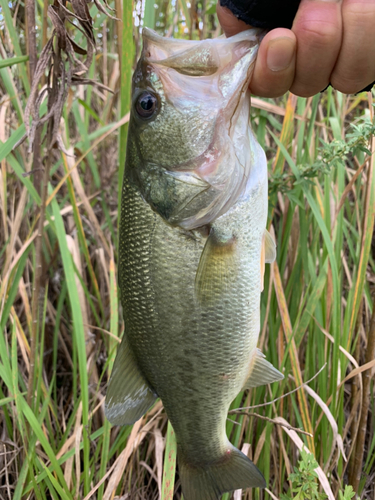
column 306, row 90
column 307, row 84
column 362, row 13
column 352, row 78
column 348, row 86
column 302, row 92
column 317, row 34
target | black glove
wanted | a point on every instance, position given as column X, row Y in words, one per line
column 267, row 14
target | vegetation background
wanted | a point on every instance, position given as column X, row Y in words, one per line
column 60, row 321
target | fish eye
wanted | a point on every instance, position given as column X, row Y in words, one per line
column 146, row 104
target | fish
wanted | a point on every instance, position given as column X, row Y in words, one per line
column 192, row 251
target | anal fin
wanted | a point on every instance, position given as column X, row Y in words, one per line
column 129, row 395
column 262, row 372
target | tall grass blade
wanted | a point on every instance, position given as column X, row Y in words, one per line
column 169, row 469
column 5, row 63
column 14, row 36
column 127, row 54
column 149, row 16
column 79, row 332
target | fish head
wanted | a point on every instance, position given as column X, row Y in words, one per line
column 188, row 142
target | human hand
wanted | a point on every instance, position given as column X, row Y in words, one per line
column 331, row 41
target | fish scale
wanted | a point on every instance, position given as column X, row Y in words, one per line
column 191, row 293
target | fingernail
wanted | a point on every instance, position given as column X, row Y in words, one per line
column 280, row 53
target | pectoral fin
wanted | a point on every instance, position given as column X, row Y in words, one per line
column 262, row 372
column 129, row 396
column 218, row 267
column 268, row 254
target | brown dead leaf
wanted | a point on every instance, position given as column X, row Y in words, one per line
column 64, row 68
column 102, row 9
column 31, row 106
column 88, row 81
column 82, row 14
column 77, row 48
column 58, row 19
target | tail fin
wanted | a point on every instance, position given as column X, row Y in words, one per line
column 232, row 472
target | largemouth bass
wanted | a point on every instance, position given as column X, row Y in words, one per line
column 193, row 244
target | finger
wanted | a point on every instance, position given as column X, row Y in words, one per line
column 318, row 28
column 355, row 67
column 274, row 68
column 229, row 22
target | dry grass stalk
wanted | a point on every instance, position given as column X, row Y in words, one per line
column 273, row 421
column 30, row 36
column 33, row 60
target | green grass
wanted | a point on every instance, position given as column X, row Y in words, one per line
column 316, row 306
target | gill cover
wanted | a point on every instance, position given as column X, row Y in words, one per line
column 192, row 155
